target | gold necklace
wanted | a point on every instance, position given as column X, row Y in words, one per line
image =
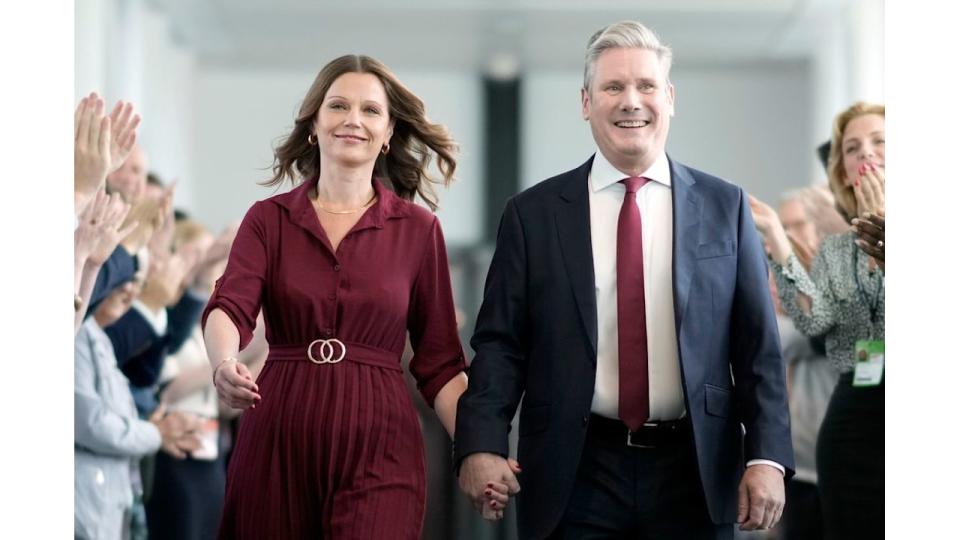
column 351, row 211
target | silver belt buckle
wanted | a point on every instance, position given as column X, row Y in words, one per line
column 631, row 444
column 327, row 351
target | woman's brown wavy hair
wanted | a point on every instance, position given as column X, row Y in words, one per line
column 415, row 139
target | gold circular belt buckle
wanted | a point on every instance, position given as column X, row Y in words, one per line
column 327, row 351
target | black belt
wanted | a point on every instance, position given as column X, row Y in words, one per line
column 650, row 434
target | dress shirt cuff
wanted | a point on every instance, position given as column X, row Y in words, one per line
column 773, row 464
column 158, row 320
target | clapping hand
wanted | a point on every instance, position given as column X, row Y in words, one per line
column 123, row 133
column 871, row 236
column 101, row 144
column 147, row 215
column 768, row 225
column 91, row 148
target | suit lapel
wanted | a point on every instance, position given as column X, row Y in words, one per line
column 573, row 226
column 686, row 223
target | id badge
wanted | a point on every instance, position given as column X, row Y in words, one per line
column 869, row 363
column 208, row 434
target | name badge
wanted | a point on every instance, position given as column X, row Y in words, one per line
column 868, row 357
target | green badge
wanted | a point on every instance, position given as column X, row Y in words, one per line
column 868, row 358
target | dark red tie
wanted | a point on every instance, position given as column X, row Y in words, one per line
column 631, row 310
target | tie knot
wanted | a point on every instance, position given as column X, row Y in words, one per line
column 634, row 183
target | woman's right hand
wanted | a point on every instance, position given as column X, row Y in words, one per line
column 235, row 385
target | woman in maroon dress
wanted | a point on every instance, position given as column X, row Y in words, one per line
column 343, row 266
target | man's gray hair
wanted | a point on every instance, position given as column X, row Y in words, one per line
column 624, row 35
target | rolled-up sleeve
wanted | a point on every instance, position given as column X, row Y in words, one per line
column 438, row 355
column 238, row 293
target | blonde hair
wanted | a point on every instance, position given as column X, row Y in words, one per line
column 186, row 231
column 836, row 174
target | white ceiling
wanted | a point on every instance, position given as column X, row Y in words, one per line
column 470, row 34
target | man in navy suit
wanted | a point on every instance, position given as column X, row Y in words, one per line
column 627, row 304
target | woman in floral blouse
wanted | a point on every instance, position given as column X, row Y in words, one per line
column 842, row 299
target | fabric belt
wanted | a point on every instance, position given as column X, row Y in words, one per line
column 649, row 435
column 333, row 351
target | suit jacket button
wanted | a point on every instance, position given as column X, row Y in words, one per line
column 586, row 420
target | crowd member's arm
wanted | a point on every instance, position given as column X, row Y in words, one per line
column 99, row 428
column 804, row 296
column 96, row 238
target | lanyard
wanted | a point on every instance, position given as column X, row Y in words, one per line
column 871, row 306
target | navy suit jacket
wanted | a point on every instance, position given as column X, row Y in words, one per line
column 536, row 339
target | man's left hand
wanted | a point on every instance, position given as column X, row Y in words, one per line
column 760, row 498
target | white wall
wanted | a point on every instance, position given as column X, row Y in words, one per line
column 241, row 114
column 747, row 123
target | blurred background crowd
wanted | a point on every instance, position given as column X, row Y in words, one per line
column 188, row 101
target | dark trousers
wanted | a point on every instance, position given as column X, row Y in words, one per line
column 802, row 518
column 187, row 498
column 638, row 493
column 850, row 462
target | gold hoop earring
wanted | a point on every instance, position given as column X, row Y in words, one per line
column 312, row 139
column 385, row 149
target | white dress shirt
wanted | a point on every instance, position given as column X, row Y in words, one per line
column 656, row 215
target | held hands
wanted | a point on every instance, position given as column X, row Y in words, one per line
column 177, row 431
column 235, row 384
column 760, row 498
column 489, row 480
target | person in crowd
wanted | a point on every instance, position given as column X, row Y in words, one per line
column 109, row 436
column 130, row 179
column 579, row 319
column 841, row 298
column 808, row 216
column 187, row 495
column 343, row 266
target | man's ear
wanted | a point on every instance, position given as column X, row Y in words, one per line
column 585, row 103
column 671, row 97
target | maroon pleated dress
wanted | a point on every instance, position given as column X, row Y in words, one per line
column 334, row 450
